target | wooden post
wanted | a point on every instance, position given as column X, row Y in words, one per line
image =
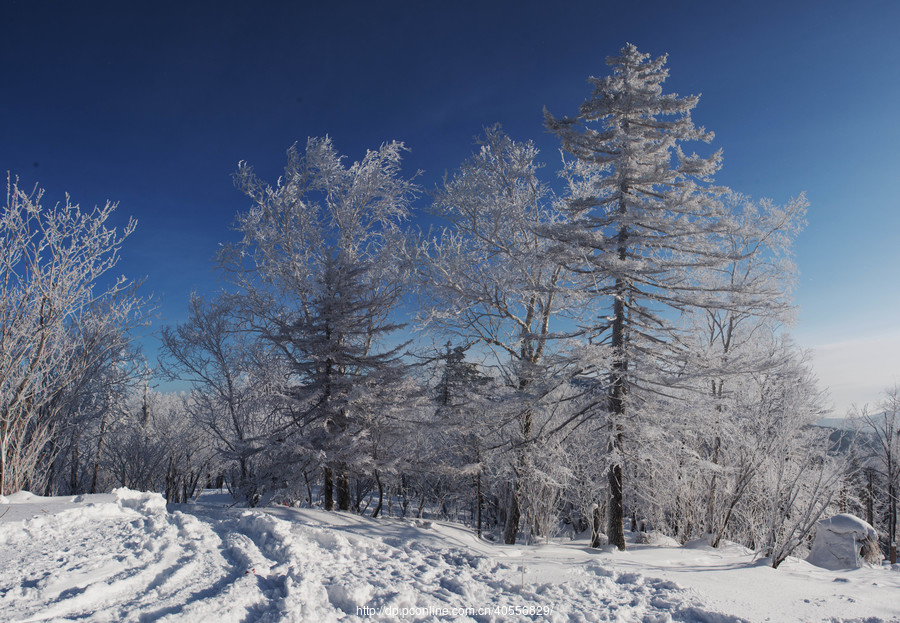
column 893, row 553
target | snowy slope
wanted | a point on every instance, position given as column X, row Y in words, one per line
column 123, row 557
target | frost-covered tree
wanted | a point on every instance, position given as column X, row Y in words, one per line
column 114, row 365
column 154, row 445
column 775, row 471
column 57, row 312
column 226, row 367
column 642, row 216
column 733, row 340
column 462, row 396
column 319, row 281
column 798, row 478
column 881, row 432
column 489, row 280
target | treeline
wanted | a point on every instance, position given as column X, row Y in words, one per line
column 611, row 356
column 876, row 466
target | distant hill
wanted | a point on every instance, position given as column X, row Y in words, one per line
column 835, row 422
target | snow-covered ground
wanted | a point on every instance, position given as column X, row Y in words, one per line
column 124, row 557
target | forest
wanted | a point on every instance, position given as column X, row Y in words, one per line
column 601, row 348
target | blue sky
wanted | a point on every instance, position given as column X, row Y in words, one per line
column 152, row 104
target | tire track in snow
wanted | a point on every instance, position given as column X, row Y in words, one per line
column 328, row 574
column 133, row 561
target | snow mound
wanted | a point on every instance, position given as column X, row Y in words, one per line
column 20, row 497
column 143, row 502
column 842, row 542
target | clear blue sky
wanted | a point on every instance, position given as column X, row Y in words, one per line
column 152, row 104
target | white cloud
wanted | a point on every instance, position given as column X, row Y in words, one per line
column 858, row 371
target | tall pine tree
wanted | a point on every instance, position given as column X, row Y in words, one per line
column 642, row 216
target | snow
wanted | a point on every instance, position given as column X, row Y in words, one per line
column 125, row 557
column 838, row 542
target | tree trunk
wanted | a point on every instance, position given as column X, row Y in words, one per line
column 479, row 501
column 618, row 391
column 99, row 451
column 713, row 483
column 892, row 518
column 421, row 503
column 616, row 518
column 328, row 503
column 309, row 499
column 596, row 523
column 343, row 491
column 73, row 475
column 870, row 497
column 512, row 518
column 380, row 494
column 522, row 469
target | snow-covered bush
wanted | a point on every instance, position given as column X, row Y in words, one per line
column 62, row 323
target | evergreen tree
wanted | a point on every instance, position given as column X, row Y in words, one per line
column 318, row 282
column 642, row 216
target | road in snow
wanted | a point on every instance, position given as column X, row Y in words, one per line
column 124, row 557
